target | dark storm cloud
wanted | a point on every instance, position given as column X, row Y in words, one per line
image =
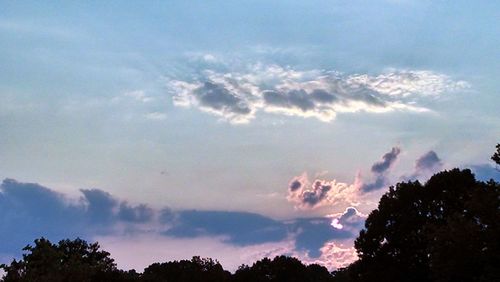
column 217, row 97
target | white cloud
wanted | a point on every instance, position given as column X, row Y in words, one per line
column 335, row 255
column 156, row 116
column 237, row 96
column 139, row 95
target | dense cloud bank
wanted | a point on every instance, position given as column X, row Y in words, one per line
column 29, row 210
column 237, row 96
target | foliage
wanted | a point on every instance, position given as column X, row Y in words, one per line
column 281, row 268
column 496, row 155
column 445, row 230
column 69, row 260
column 195, row 270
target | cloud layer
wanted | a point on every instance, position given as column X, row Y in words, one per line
column 237, row 96
column 29, row 211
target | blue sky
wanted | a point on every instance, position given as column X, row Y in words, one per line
column 222, row 106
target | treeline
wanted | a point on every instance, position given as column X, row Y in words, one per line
column 446, row 230
column 77, row 260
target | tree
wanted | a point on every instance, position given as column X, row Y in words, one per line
column 69, row 260
column 281, row 269
column 496, row 155
column 445, row 230
column 195, row 270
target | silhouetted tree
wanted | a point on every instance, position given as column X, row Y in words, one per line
column 445, row 230
column 69, row 260
column 496, row 155
column 196, row 270
column 281, row 269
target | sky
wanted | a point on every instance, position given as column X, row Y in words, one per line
column 234, row 130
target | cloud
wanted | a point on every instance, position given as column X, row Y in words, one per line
column 150, row 248
column 156, row 116
column 140, row 213
column 351, row 219
column 428, row 162
column 314, row 233
column 486, row 172
column 240, row 228
column 237, row 96
column 306, row 195
column 387, row 160
column 334, row 256
column 215, row 98
column 425, row 166
column 29, row 211
column 320, row 193
column 380, row 170
column 99, row 205
column 138, row 95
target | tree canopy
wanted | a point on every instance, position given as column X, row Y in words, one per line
column 69, row 260
column 496, row 155
column 445, row 230
column 281, row 268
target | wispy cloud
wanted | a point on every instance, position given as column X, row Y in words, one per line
column 237, row 96
column 380, row 170
column 138, row 95
column 156, row 116
column 425, row 165
column 38, row 29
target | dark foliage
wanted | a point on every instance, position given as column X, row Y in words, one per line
column 195, row 270
column 496, row 155
column 445, row 230
column 66, row 261
column 281, row 269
